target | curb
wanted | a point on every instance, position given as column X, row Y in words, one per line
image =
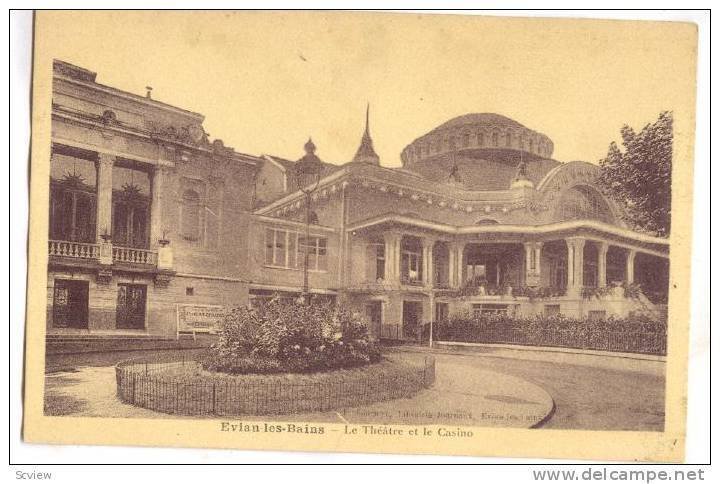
column 550, row 349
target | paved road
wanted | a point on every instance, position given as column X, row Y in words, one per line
column 588, row 397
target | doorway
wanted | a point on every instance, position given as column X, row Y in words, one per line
column 131, row 306
column 373, row 311
column 412, row 314
column 441, row 312
column 70, row 304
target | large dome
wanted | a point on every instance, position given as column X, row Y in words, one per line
column 480, row 119
column 478, row 130
column 480, row 150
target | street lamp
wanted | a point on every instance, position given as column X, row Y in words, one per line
column 307, row 173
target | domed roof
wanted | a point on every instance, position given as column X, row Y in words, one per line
column 489, row 119
column 483, row 152
column 478, row 131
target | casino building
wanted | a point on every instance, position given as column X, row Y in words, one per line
column 148, row 216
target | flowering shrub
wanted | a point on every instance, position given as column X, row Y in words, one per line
column 289, row 336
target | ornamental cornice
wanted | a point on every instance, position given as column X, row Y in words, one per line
column 177, row 141
column 502, row 202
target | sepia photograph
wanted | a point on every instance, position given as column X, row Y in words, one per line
column 361, row 231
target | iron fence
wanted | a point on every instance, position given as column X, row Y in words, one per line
column 176, row 387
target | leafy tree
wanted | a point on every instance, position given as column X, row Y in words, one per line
column 638, row 178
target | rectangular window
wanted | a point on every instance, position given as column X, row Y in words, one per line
column 441, row 312
column 476, row 273
column 410, row 267
column 280, row 249
column 292, row 255
column 380, row 261
column 596, row 315
column 321, row 254
column 490, row 308
column 269, row 246
column 552, row 310
column 213, row 212
column 286, row 249
column 316, row 248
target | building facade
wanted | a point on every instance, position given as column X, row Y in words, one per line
column 147, row 216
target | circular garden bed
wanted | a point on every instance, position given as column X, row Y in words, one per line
column 186, row 388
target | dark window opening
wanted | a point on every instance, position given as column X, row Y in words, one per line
column 131, row 300
column 73, row 197
column 70, row 304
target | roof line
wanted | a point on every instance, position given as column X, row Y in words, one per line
column 507, row 228
column 130, row 96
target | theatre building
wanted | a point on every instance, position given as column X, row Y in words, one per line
column 148, row 217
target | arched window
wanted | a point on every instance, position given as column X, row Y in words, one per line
column 531, row 145
column 508, row 139
column 73, row 197
column 190, row 220
column 131, row 206
column 581, row 202
column 495, row 141
column 481, row 138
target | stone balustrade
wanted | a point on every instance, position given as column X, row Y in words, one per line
column 76, row 250
column 88, row 251
column 134, row 256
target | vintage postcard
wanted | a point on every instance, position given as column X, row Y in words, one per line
column 361, row 232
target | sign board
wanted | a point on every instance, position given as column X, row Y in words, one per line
column 199, row 318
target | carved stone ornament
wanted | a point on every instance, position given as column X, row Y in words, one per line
column 163, row 278
column 104, row 276
column 196, row 133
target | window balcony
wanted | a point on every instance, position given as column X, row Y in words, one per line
column 83, row 251
column 74, row 250
column 134, row 256
column 411, row 281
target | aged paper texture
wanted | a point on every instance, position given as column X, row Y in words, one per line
column 361, row 232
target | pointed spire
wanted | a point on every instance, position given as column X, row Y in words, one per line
column 367, row 119
column 366, row 152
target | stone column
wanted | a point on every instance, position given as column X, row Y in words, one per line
column 104, row 195
column 427, row 245
column 532, row 263
column 103, row 216
column 459, row 259
column 451, row 264
column 630, row 266
column 602, row 264
column 392, row 259
column 575, row 265
column 156, row 219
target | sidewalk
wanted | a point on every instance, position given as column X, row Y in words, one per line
column 646, row 364
column 462, row 395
